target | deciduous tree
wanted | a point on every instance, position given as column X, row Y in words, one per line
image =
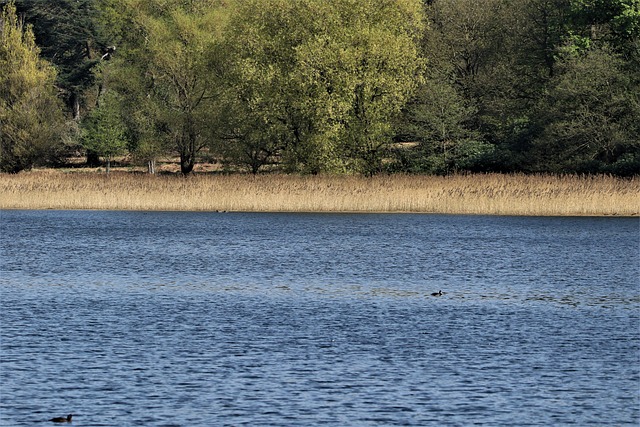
column 362, row 69
column 325, row 80
column 170, row 55
column 31, row 120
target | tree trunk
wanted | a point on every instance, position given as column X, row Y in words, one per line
column 151, row 166
column 186, row 162
column 188, row 148
column 75, row 105
column 93, row 159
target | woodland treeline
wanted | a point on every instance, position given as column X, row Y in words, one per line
column 310, row 86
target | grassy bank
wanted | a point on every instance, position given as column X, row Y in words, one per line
column 473, row 194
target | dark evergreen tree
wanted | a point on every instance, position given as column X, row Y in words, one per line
column 67, row 34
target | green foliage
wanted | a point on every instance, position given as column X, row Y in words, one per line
column 171, row 56
column 324, row 80
column 528, row 69
column 267, row 101
column 361, row 78
column 463, row 36
column 69, row 36
column 31, row 121
column 103, row 130
column 329, row 86
column 439, row 119
column 590, row 115
column 614, row 21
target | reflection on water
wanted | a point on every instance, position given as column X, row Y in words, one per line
column 130, row 318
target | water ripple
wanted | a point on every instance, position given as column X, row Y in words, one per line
column 318, row 320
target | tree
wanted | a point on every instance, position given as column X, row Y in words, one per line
column 614, row 22
column 31, row 121
column 361, row 72
column 544, row 27
column 248, row 139
column 265, row 120
column 471, row 50
column 500, row 56
column 69, row 37
column 103, row 129
column 590, row 116
column 170, row 52
column 438, row 118
column 324, row 80
column 65, row 31
column 466, row 37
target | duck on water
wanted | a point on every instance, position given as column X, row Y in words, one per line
column 437, row 294
column 66, row 419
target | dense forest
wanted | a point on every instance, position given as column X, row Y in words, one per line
column 315, row 86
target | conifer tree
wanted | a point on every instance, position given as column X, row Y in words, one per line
column 68, row 35
column 103, row 129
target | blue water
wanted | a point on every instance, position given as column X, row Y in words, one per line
column 230, row 319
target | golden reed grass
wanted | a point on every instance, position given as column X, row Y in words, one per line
column 493, row 194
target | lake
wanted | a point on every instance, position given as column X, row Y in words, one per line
column 238, row 319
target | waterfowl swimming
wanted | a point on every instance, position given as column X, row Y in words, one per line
column 66, row 419
column 437, row 294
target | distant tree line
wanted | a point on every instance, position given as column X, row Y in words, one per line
column 311, row 86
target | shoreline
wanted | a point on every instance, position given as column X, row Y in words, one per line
column 588, row 215
column 490, row 194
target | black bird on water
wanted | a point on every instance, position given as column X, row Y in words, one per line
column 66, row 419
column 436, row 294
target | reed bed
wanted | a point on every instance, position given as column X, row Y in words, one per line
column 494, row 194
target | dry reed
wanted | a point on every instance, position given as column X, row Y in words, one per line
column 471, row 194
